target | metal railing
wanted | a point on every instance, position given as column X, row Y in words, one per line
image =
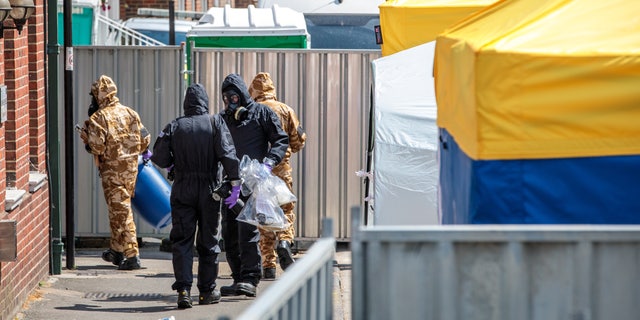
column 113, row 33
column 305, row 291
column 527, row 272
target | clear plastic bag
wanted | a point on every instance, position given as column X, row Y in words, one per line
column 267, row 194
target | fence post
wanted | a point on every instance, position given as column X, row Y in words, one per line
column 357, row 279
column 327, row 228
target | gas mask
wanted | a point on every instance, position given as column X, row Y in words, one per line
column 231, row 99
column 93, row 107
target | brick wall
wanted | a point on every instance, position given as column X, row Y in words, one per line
column 129, row 8
column 200, row 6
column 245, row 3
column 37, row 95
column 23, row 149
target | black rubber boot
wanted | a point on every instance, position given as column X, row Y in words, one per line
column 269, row 273
column 285, row 256
column 112, row 256
column 184, row 299
column 232, row 290
column 246, row 288
column 132, row 263
column 209, row 297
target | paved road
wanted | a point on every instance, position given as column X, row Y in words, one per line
column 96, row 290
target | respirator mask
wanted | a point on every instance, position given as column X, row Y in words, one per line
column 93, row 107
column 231, row 99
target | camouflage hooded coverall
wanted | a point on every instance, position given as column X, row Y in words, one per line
column 263, row 90
column 115, row 136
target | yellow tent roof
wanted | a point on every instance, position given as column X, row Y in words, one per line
column 408, row 23
column 542, row 79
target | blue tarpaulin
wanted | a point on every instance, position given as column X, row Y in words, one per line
column 588, row 190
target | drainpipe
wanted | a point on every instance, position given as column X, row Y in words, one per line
column 53, row 139
column 69, row 174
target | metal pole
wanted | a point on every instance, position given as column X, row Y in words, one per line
column 358, row 302
column 172, row 23
column 370, row 145
column 53, row 137
column 68, row 136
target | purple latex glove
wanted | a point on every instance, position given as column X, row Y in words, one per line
column 146, row 155
column 268, row 164
column 231, row 200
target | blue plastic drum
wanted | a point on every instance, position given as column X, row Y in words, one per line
column 152, row 193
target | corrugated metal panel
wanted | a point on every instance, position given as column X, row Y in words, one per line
column 496, row 272
column 330, row 91
column 149, row 81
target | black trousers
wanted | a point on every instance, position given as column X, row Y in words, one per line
column 194, row 217
column 241, row 248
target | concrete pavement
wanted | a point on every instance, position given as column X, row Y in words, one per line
column 97, row 290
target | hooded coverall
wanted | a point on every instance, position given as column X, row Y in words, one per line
column 258, row 135
column 263, row 90
column 194, row 144
column 115, row 136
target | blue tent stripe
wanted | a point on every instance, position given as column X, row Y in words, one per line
column 589, row 190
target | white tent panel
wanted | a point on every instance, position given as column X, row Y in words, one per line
column 405, row 170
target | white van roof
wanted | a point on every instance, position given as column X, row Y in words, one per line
column 229, row 21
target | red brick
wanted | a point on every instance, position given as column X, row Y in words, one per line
column 23, row 141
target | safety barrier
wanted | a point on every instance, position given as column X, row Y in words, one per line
column 585, row 272
column 305, row 291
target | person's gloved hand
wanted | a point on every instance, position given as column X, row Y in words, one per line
column 83, row 132
column 268, row 164
column 146, row 155
column 83, row 136
column 231, row 200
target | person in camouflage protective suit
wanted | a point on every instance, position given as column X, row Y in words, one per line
column 116, row 137
column 262, row 90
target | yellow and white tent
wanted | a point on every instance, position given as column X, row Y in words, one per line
column 408, row 23
column 539, row 113
column 542, row 79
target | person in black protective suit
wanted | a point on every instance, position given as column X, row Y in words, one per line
column 192, row 146
column 257, row 133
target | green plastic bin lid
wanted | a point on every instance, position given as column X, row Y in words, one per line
column 250, row 21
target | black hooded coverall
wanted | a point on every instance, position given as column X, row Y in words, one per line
column 194, row 144
column 258, row 136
